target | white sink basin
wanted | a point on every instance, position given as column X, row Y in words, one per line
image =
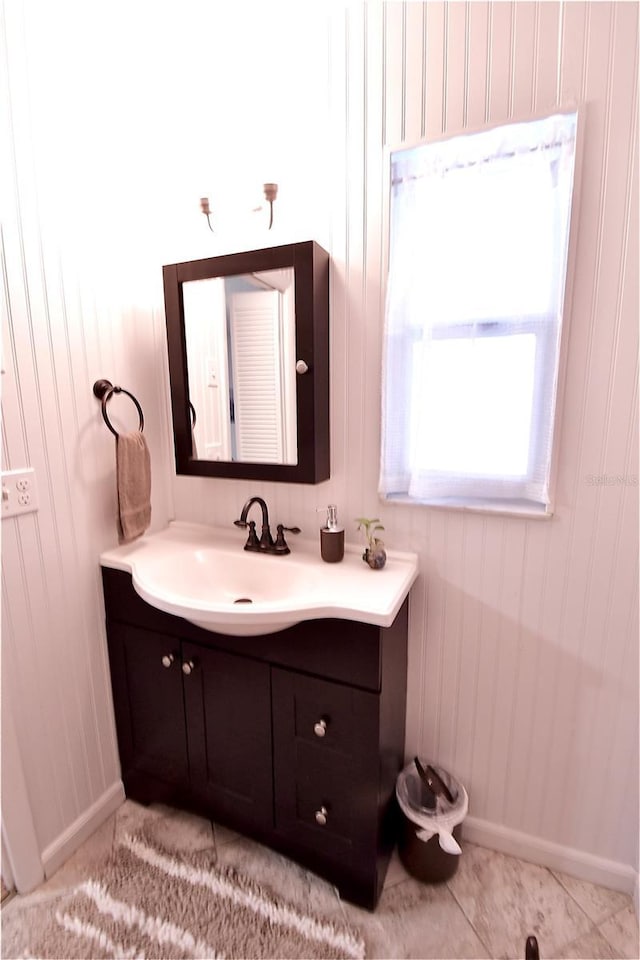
column 204, row 575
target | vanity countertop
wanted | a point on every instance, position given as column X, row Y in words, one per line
column 204, row 575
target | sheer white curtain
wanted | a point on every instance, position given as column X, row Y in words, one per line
column 477, row 262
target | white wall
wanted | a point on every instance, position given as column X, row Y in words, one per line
column 523, row 673
column 114, row 121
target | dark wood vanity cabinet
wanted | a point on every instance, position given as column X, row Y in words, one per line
column 176, row 729
column 228, row 710
column 294, row 738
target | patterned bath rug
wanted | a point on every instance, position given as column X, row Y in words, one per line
column 149, row 904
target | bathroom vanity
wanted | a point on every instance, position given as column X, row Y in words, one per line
column 293, row 737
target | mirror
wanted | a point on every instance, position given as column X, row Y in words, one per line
column 241, row 366
column 248, row 345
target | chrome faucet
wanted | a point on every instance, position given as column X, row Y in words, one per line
column 266, row 543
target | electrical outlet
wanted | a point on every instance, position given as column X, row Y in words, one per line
column 19, row 492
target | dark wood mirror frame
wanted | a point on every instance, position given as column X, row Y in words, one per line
column 311, row 271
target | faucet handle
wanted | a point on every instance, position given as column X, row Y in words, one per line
column 281, row 545
column 252, row 540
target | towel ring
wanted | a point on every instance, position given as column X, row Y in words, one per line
column 104, row 390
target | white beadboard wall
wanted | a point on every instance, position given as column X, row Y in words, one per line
column 523, row 670
column 106, row 146
column 523, row 674
column 70, row 315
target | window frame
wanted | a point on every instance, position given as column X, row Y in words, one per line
column 515, row 507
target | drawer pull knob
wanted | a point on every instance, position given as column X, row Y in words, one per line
column 320, row 728
column 167, row 660
column 188, row 667
column 321, row 816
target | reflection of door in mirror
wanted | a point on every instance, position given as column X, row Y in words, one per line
column 240, row 340
column 205, row 327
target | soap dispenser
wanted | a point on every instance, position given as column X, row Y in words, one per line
column 332, row 537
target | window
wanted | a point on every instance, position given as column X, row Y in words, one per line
column 479, row 228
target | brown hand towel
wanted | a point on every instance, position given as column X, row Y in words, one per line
column 133, row 469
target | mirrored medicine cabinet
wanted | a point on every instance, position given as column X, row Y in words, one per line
column 248, row 339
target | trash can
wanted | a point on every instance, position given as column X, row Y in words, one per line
column 433, row 805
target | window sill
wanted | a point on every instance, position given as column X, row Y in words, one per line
column 506, row 508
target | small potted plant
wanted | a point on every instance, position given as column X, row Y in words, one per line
column 374, row 554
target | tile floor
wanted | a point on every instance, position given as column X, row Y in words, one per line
column 486, row 910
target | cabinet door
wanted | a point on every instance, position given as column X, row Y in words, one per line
column 326, row 767
column 149, row 705
column 228, row 708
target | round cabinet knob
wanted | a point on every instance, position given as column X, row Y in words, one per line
column 320, row 728
column 188, row 667
column 321, row 816
column 301, row 367
column 167, row 660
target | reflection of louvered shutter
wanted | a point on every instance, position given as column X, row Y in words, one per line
column 255, row 357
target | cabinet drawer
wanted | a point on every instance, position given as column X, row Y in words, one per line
column 323, row 714
column 329, row 791
column 334, row 775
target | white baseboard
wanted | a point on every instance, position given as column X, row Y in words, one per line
column 68, row 842
column 577, row 863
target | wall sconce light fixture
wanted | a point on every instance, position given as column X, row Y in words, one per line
column 270, row 194
column 205, row 208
